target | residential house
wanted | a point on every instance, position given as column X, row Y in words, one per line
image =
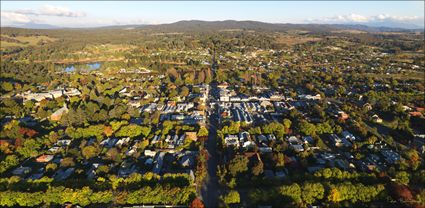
column 21, row 171
column 231, row 140
column 63, row 174
column 348, row 135
column 44, row 158
column 57, row 115
column 376, row 119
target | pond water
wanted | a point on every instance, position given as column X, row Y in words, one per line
column 82, row 67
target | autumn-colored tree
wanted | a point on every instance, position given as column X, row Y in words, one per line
column 197, row 203
column 401, row 192
column 238, row 165
column 334, row 195
column 67, row 162
column 89, row 152
column 258, row 169
column 203, row 132
column 232, row 197
column 28, row 132
column 108, row 131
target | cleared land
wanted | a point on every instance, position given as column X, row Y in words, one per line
column 23, row 41
column 294, row 40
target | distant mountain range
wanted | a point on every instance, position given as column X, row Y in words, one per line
column 198, row 25
column 393, row 24
column 32, row 25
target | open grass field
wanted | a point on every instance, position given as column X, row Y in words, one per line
column 23, row 41
column 294, row 40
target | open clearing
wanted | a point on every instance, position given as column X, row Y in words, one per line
column 294, row 40
column 23, row 41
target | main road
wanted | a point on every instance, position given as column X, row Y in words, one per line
column 210, row 188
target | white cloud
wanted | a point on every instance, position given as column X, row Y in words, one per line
column 394, row 18
column 357, row 18
column 49, row 10
column 14, row 17
column 46, row 13
column 60, row 11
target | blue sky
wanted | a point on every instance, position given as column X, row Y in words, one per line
column 96, row 13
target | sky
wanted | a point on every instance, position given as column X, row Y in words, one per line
column 98, row 13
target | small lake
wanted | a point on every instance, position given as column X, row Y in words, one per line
column 79, row 67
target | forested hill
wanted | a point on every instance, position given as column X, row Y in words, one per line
column 211, row 26
column 197, row 25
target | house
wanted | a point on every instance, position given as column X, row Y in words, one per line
column 134, row 103
column 348, row 135
column 271, row 137
column 244, row 136
column 223, row 85
column 21, row 171
column 54, row 149
column 415, row 113
column 123, row 90
column 36, row 96
column 390, row 156
column 265, row 149
column 158, row 162
column 262, row 139
column 71, row 92
column 122, row 141
column 131, row 151
column 36, row 176
column 266, row 104
column 63, row 142
column 343, row 164
column 310, row 97
column 91, row 173
column 224, row 96
column 342, row 115
column 149, row 107
column 308, row 140
column 376, row 119
column 150, row 153
column 327, row 156
column 295, row 144
column 249, row 144
column 149, row 161
column 187, row 161
column 126, row 169
column 28, row 121
column 56, row 93
column 63, row 174
column 57, row 115
column 406, row 108
column 339, row 142
column 231, row 140
column 234, row 99
column 44, row 158
column 367, row 106
column 156, row 139
column 277, row 97
column 297, row 147
column 109, row 142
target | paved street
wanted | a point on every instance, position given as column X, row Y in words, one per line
column 210, row 189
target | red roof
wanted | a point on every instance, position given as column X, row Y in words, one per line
column 44, row 158
column 416, row 113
